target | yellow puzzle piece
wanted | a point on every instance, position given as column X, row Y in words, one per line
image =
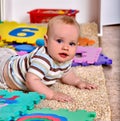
column 21, row 32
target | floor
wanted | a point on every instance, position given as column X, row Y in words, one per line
column 110, row 43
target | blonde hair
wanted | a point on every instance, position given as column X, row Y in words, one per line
column 65, row 19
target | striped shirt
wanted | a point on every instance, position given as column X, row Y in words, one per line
column 39, row 63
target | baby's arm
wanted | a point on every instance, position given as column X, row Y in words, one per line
column 34, row 83
column 71, row 79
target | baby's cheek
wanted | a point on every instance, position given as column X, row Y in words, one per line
column 73, row 52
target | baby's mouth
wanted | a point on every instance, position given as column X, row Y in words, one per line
column 63, row 55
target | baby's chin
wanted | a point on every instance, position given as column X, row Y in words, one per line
column 63, row 61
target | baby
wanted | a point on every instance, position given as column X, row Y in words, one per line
column 47, row 64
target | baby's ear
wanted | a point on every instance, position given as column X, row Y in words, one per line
column 46, row 39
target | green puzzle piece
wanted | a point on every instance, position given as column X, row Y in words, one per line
column 16, row 103
column 79, row 115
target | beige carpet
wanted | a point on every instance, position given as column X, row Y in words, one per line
column 93, row 100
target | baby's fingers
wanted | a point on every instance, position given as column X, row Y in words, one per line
column 91, row 86
column 67, row 99
column 62, row 97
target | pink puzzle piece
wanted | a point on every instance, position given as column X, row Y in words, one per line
column 38, row 116
column 88, row 54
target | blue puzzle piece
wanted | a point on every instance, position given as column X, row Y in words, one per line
column 103, row 60
column 25, row 47
column 40, row 42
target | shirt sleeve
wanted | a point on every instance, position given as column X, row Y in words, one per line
column 39, row 67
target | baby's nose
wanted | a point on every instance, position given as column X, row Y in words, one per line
column 65, row 47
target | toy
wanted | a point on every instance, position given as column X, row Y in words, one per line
column 16, row 103
column 21, row 32
column 58, row 115
column 9, row 46
column 21, row 53
column 2, row 43
column 85, row 42
column 87, row 54
column 18, row 106
column 103, row 60
column 40, row 42
column 42, row 117
column 25, row 47
column 44, row 15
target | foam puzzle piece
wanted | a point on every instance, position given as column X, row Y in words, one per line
column 42, row 116
column 58, row 115
column 87, row 54
column 22, row 53
column 85, row 42
column 52, row 117
column 21, row 32
column 25, row 47
column 16, row 103
column 102, row 60
column 40, row 42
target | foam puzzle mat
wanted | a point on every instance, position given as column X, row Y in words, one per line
column 21, row 32
column 16, row 103
column 20, row 106
column 47, row 114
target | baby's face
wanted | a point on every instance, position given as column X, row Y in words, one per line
column 62, row 42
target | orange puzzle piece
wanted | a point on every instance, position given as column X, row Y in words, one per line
column 85, row 42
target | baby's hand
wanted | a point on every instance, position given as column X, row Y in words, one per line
column 86, row 85
column 59, row 96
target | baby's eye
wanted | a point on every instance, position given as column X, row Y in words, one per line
column 72, row 44
column 59, row 40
